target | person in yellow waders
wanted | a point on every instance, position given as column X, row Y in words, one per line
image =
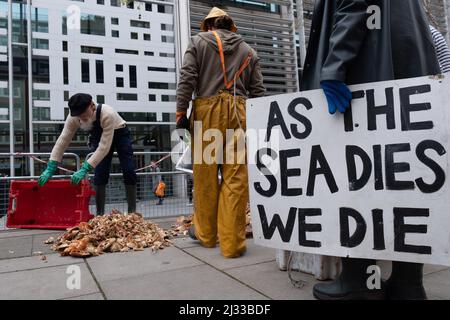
column 222, row 71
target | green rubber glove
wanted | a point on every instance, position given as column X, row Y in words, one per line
column 80, row 174
column 52, row 166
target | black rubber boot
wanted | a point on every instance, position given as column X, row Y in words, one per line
column 131, row 198
column 100, row 199
column 351, row 283
column 406, row 282
column 191, row 232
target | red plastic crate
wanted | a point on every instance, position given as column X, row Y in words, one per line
column 57, row 205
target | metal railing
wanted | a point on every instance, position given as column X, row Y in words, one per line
column 178, row 192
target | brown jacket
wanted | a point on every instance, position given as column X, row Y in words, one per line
column 201, row 73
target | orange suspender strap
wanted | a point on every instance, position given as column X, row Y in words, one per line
column 229, row 84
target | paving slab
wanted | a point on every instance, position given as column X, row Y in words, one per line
column 35, row 262
column 40, row 246
column 255, row 254
column 16, row 247
column 132, row 264
column 24, row 232
column 197, row 283
column 46, row 283
column 269, row 280
column 185, row 242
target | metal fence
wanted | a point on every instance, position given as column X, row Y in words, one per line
column 176, row 202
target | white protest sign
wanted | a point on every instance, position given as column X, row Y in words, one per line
column 371, row 184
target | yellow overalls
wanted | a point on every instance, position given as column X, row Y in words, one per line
column 220, row 209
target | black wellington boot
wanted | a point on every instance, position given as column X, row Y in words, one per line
column 351, row 283
column 130, row 191
column 406, row 282
column 100, row 199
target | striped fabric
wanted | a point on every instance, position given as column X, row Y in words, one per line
column 442, row 50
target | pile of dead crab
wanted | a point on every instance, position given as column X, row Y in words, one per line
column 115, row 232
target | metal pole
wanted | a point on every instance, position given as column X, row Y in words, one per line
column 30, row 87
column 301, row 31
column 11, row 91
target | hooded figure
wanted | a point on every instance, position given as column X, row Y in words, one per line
column 221, row 70
column 345, row 47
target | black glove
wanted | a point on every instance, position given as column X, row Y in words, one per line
column 183, row 123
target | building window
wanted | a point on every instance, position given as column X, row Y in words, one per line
column 167, row 98
column 164, row 9
column 115, row 21
column 114, row 33
column 92, row 24
column 100, row 1
column 166, row 27
column 41, row 69
column 85, row 70
column 41, row 95
column 161, row 85
column 39, row 20
column 115, row 3
column 158, row 69
column 119, row 67
column 93, row 50
column 127, row 96
column 100, row 99
column 126, row 51
column 166, row 55
column 134, row 35
column 149, row 53
column 167, row 39
column 66, row 70
column 99, row 71
column 64, row 45
column 140, row 24
column 66, row 95
column 133, row 77
column 40, row 44
column 119, row 82
column 147, row 37
column 64, row 24
column 148, row 7
column 130, row 4
column 152, row 97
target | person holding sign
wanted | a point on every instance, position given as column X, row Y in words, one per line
column 222, row 71
column 359, row 41
column 107, row 133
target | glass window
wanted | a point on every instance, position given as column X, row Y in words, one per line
column 115, row 21
column 167, row 39
column 161, row 85
column 134, row 35
column 66, row 70
column 166, row 27
column 115, row 3
column 41, row 95
column 93, row 50
column 140, row 24
column 166, row 55
column 40, row 44
column 39, row 20
column 167, row 98
column 119, row 67
column 64, row 45
column 99, row 71
column 92, row 24
column 100, row 1
column 41, row 69
column 115, row 33
column 152, row 97
column 149, row 53
column 133, row 77
column 165, row 8
column 127, row 96
column 147, row 37
column 85, row 70
column 119, row 82
column 64, row 24
column 148, row 7
column 100, row 99
column 126, row 51
column 66, row 95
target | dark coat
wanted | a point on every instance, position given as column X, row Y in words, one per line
column 342, row 47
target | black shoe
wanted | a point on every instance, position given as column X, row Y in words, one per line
column 351, row 283
column 191, row 233
column 406, row 282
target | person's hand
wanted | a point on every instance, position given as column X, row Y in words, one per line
column 80, row 174
column 182, row 120
column 338, row 95
column 52, row 166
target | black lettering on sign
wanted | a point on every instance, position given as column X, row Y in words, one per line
column 373, row 111
column 401, row 229
column 361, row 227
column 319, row 165
column 301, row 118
column 354, row 182
column 276, row 223
column 286, row 173
column 396, row 167
column 378, row 167
column 262, row 167
column 378, row 230
column 304, row 227
column 276, row 119
column 436, row 168
column 348, row 116
column 407, row 107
